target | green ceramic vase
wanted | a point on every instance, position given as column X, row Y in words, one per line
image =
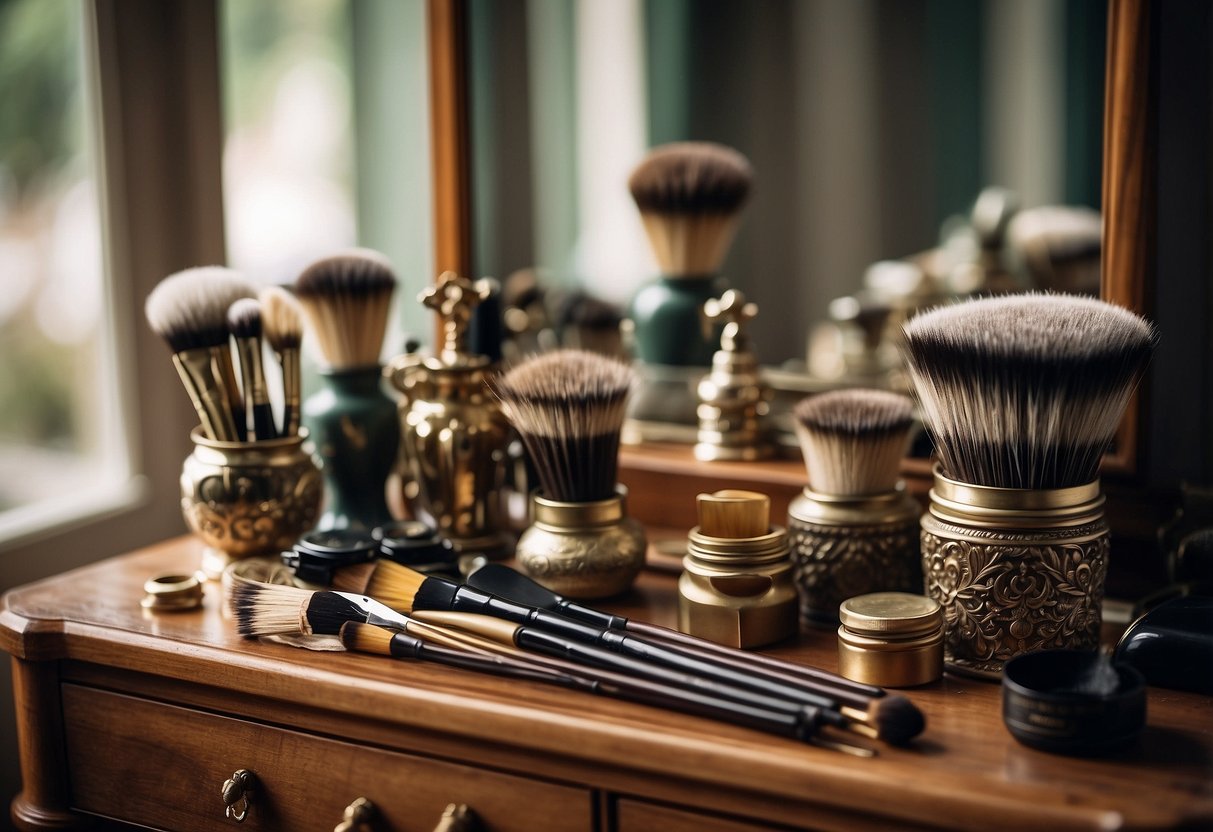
column 669, row 328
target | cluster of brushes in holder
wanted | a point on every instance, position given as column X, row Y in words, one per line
column 568, row 407
column 347, row 299
column 249, row 487
column 504, row 624
column 854, row 528
column 690, row 196
column 1021, row 395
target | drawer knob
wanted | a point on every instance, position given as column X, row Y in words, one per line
column 238, row 794
column 359, row 816
column 458, row 818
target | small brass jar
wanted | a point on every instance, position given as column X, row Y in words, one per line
column 848, row 546
column 1015, row 570
column 582, row 550
column 248, row 498
column 738, row 592
column 890, row 639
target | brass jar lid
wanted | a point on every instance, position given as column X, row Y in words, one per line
column 172, row 592
column 890, row 613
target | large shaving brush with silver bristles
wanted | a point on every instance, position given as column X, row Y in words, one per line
column 1022, row 395
column 854, row 528
column 568, row 407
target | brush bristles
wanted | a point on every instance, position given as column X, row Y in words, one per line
column 568, row 406
column 394, row 585
column 347, row 299
column 1025, row 391
column 188, row 309
column 282, row 318
column 353, row 578
column 244, row 318
column 366, row 638
column 269, row 609
column 690, row 195
column 853, row 440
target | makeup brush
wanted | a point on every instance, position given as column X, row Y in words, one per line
column 244, row 324
column 854, row 440
column 568, row 406
column 282, row 322
column 409, row 592
column 690, row 196
column 188, row 309
column 1025, row 391
column 733, row 513
column 347, row 299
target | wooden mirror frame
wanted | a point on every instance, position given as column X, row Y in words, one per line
column 1128, row 174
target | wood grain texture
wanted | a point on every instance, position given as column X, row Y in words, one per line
column 43, row 804
column 449, row 142
column 965, row 773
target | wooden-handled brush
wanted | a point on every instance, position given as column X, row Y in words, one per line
column 690, row 196
column 282, row 320
column 1025, row 391
column 853, row 440
column 568, row 406
column 244, row 323
column 188, row 309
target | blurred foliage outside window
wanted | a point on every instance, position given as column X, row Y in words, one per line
column 55, row 379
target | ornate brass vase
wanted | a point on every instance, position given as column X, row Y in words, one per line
column 1015, row 570
column 582, row 550
column 248, row 498
column 849, row 546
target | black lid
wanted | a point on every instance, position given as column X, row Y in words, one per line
column 317, row 553
column 414, row 544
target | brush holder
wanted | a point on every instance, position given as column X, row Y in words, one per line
column 849, row 546
column 1016, row 570
column 248, row 498
column 582, row 550
column 353, row 423
column 453, row 442
column 738, row 591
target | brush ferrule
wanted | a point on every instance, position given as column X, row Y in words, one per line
column 377, row 613
column 252, row 374
column 291, row 395
column 199, row 374
column 860, row 510
column 1020, row 508
column 554, row 515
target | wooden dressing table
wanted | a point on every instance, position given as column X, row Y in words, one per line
column 141, row 717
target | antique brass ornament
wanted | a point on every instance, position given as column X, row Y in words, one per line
column 237, row 794
column 248, row 498
column 1015, row 570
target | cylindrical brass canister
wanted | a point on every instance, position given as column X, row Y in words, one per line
column 891, row 639
column 248, row 498
column 582, row 550
column 1015, row 570
column 738, row 592
column 848, row 546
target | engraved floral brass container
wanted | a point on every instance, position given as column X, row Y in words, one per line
column 1015, row 570
column 248, row 498
column 582, row 550
column 849, row 546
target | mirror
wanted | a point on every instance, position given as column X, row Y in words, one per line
column 1121, row 123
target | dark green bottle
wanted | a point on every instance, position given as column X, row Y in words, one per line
column 669, row 324
column 354, row 425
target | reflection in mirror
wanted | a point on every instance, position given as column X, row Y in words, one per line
column 872, row 127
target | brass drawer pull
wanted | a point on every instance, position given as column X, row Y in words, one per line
column 458, row 818
column 238, row 794
column 358, row 817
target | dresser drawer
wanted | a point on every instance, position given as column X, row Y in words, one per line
column 638, row 816
column 164, row 766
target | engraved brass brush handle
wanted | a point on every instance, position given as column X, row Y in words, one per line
column 359, row 817
column 458, row 818
column 238, row 794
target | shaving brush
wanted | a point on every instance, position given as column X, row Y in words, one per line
column 568, row 406
column 854, row 528
column 1022, row 395
column 346, row 300
column 690, row 196
column 282, row 324
column 188, row 309
column 244, row 324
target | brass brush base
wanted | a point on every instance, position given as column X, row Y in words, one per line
column 1016, row 570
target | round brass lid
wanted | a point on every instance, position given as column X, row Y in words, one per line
column 892, row 613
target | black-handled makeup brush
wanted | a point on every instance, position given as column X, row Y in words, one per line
column 504, row 582
column 244, row 324
column 802, row 725
column 405, row 590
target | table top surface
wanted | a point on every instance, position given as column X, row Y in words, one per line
column 965, row 771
